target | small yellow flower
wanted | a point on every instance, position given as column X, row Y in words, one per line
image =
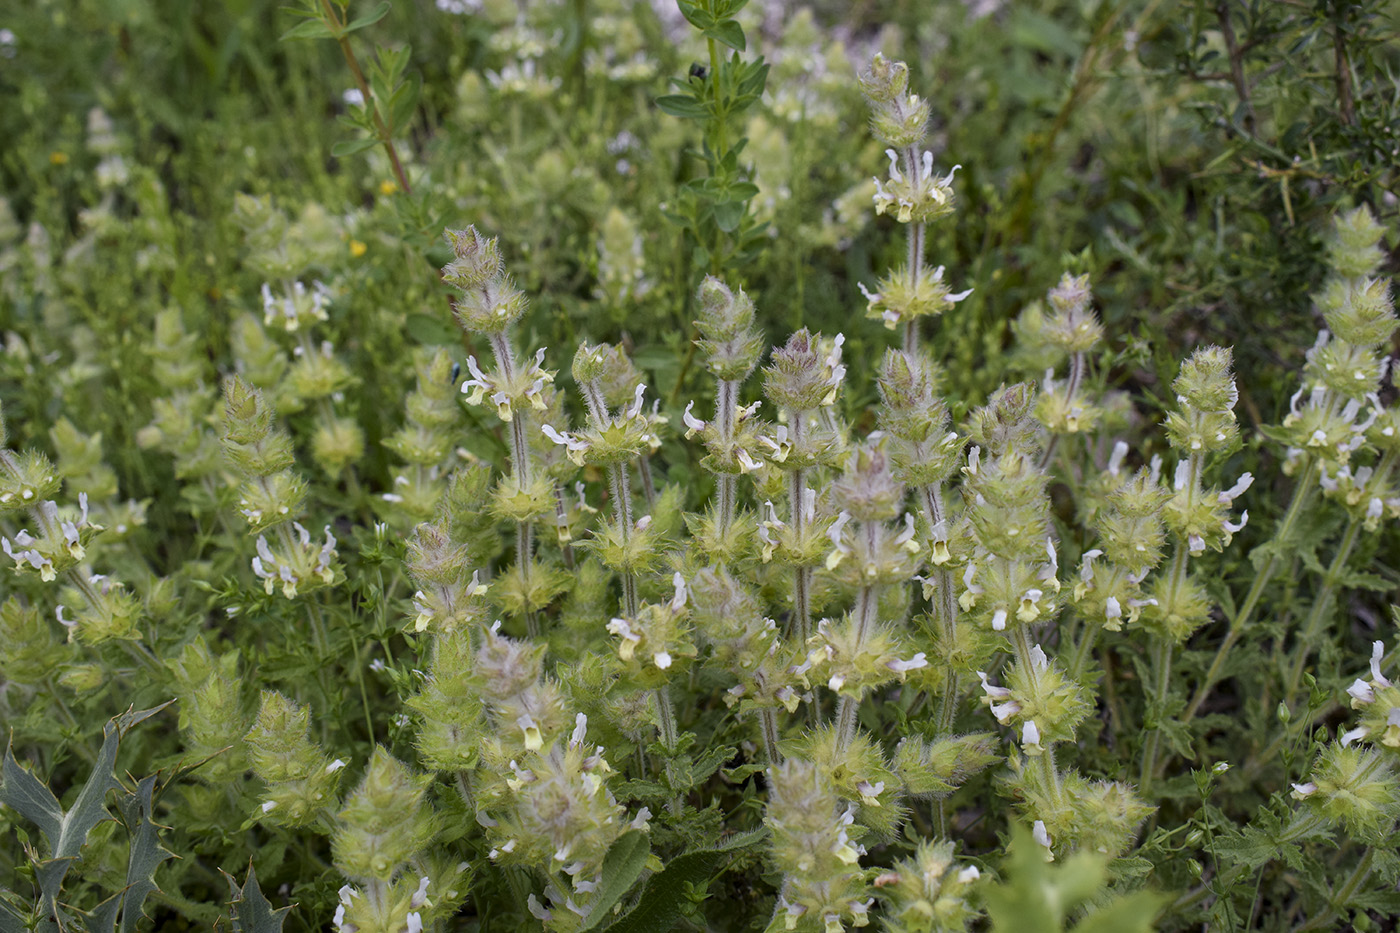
column 387, row 187
column 58, row 158
column 357, row 249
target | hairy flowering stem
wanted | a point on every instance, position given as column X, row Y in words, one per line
column 1263, row 576
column 867, row 605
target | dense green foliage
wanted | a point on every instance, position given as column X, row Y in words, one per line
column 952, row 621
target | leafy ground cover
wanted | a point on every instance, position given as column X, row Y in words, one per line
column 575, row 466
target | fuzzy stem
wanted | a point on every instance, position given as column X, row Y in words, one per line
column 945, row 609
column 622, row 514
column 801, row 623
column 915, row 260
column 1322, row 604
column 727, row 484
column 1049, row 774
column 1084, row 650
column 1302, row 496
column 768, row 723
column 522, row 471
column 1161, row 664
column 867, row 603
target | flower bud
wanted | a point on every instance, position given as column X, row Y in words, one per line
column 300, row 777
column 384, row 822
column 1355, row 248
column 884, row 80
column 489, row 302
column 727, row 334
column 801, row 376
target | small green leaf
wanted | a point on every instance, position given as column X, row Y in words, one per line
column 621, row 869
column 430, row 330
column 348, row 147
column 370, row 18
column 311, row 29
column 679, row 105
column 729, row 33
column 728, row 214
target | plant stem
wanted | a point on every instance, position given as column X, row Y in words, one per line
column 1161, row 665
column 1302, row 495
column 801, row 623
column 867, row 603
column 363, row 85
column 945, row 609
column 522, row 471
column 1322, row 605
column 1049, row 774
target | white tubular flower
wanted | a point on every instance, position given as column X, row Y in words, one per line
column 580, row 730
column 1040, row 835
column 902, row 667
column 1115, row 459
column 1237, row 490
column 1354, row 735
column 999, row 620
column 835, row 533
column 574, row 447
column 992, row 690
column 1377, row 653
column 1004, row 712
column 1304, row 791
column 678, row 600
column 537, row 910
column 693, row 425
column 1030, row 738
column 630, row 639
column 905, row 538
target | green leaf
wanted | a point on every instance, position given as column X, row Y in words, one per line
column 729, row 33
column 311, row 29
column 28, row 796
column 728, row 214
column 683, row 106
column 621, row 869
column 662, row 900
column 403, row 103
column 348, row 147
column 430, row 330
column 370, row 18
column 146, row 851
column 250, row 910
column 695, row 15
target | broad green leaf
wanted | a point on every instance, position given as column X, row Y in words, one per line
column 146, row 851
column 370, row 18
column 28, row 796
column 661, row 903
column 621, row 869
column 250, row 910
